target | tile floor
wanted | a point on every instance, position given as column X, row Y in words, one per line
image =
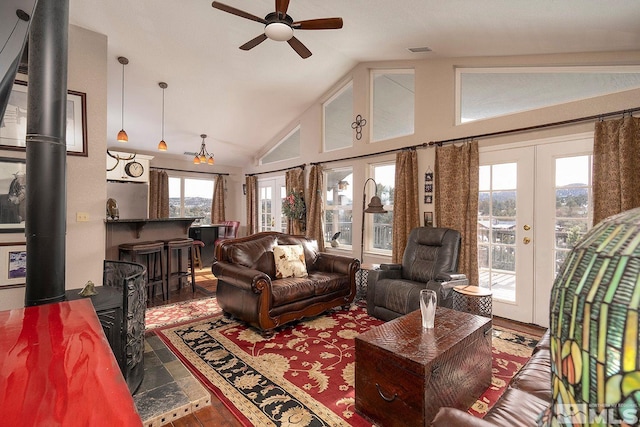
column 168, row 391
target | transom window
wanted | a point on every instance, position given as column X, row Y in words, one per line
column 338, row 116
column 288, row 148
column 392, row 108
column 483, row 93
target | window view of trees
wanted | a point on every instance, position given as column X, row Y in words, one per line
column 191, row 198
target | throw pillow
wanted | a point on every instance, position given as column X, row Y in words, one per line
column 289, row 260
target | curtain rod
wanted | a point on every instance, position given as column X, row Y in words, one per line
column 277, row 170
column 486, row 135
column 182, row 170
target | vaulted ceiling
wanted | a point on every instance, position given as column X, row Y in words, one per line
column 242, row 99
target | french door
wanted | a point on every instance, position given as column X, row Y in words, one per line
column 534, row 205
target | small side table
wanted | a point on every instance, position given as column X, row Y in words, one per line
column 362, row 278
column 473, row 299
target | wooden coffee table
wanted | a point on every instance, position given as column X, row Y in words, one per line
column 404, row 375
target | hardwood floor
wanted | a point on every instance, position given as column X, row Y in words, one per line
column 218, row 415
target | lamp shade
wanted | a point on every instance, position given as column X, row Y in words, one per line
column 122, row 136
column 375, row 206
column 595, row 299
column 162, row 146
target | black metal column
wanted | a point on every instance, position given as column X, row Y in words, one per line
column 46, row 153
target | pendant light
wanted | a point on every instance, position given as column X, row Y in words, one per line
column 162, row 146
column 203, row 155
column 122, row 135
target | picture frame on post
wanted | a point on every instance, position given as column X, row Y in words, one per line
column 13, row 192
column 13, row 129
column 13, row 264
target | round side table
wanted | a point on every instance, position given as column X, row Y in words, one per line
column 472, row 299
column 362, row 279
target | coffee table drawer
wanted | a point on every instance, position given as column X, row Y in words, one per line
column 386, row 390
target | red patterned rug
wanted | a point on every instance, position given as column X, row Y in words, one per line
column 304, row 375
column 173, row 314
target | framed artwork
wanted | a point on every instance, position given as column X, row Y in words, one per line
column 428, row 219
column 428, row 199
column 428, row 176
column 428, row 188
column 13, row 192
column 13, row 128
column 13, row 264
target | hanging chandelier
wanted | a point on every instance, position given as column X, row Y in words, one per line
column 162, row 146
column 203, row 156
column 122, row 135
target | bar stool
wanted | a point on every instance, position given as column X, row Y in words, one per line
column 197, row 255
column 178, row 245
column 153, row 254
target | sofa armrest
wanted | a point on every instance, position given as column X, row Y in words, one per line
column 449, row 277
column 452, row 417
column 241, row 277
column 332, row 263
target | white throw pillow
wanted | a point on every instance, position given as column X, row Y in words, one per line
column 289, row 261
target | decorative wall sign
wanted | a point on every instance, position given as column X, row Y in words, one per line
column 428, row 190
column 358, row 125
column 13, row 129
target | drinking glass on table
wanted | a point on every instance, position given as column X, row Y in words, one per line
column 428, row 302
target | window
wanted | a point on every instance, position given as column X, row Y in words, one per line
column 382, row 238
column 191, row 197
column 338, row 203
column 271, row 194
column 491, row 92
column 288, row 148
column 392, row 109
column 338, row 116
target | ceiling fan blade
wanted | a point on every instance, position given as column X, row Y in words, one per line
column 253, row 42
column 299, row 47
column 318, row 24
column 237, row 12
column 281, row 7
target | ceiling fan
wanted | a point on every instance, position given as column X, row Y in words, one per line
column 279, row 26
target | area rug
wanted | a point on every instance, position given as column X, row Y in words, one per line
column 172, row 314
column 304, row 375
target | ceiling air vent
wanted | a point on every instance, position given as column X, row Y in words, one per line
column 419, row 49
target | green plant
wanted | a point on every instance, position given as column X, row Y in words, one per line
column 293, row 206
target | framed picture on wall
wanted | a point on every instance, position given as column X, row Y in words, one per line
column 13, row 193
column 13, row 131
column 428, row 219
column 13, row 264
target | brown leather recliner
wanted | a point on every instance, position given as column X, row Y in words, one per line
column 248, row 288
column 430, row 261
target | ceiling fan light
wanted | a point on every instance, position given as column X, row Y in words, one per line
column 122, row 136
column 162, row 146
column 278, row 31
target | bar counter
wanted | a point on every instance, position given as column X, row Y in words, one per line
column 142, row 230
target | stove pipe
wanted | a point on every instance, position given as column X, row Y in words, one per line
column 46, row 153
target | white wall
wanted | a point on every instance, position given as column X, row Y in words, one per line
column 435, row 117
column 86, row 183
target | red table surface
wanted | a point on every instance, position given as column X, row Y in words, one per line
column 57, row 369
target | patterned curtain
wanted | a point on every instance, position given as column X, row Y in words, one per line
column 406, row 213
column 252, row 204
column 616, row 174
column 217, row 203
column 294, row 181
column 314, row 206
column 456, row 200
column 158, row 194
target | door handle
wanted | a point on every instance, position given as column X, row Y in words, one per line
column 526, row 240
column 526, row 227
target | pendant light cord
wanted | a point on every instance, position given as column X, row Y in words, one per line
column 122, row 100
column 162, row 114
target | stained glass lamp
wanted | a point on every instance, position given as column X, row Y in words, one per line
column 595, row 360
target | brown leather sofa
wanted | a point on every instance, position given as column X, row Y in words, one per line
column 527, row 396
column 248, row 288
